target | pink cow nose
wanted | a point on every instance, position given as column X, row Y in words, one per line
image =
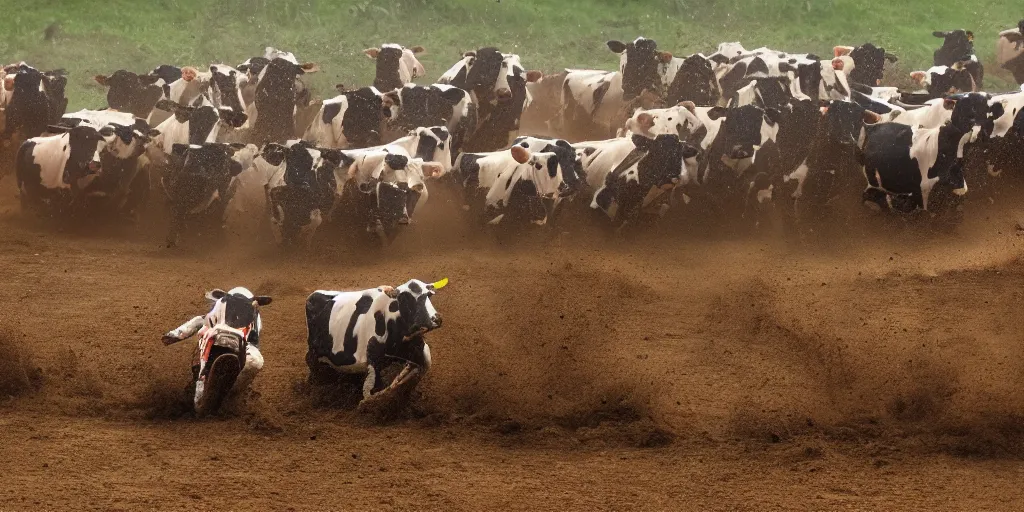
column 94, row 166
column 504, row 94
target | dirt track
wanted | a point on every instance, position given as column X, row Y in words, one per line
column 669, row 372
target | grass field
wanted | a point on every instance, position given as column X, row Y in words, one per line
column 100, row 37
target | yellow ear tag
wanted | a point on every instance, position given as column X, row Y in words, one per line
column 440, row 284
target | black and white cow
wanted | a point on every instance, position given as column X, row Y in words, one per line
column 301, row 194
column 274, row 104
column 130, row 92
column 396, row 66
column 124, row 182
column 497, row 82
column 200, row 184
column 357, row 332
column 195, row 124
column 53, row 170
column 958, row 48
column 909, row 168
column 415, row 106
column 350, row 120
column 868, row 63
column 643, row 179
column 940, row 81
column 1010, row 51
column 383, row 188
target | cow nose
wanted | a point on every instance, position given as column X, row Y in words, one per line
column 417, row 187
column 504, row 94
column 94, row 166
column 436, row 320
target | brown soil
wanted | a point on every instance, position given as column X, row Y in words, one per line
column 876, row 370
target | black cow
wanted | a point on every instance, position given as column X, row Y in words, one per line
column 29, row 109
column 357, row 332
column 958, row 47
column 833, row 160
column 909, row 169
column 200, row 184
column 396, row 65
column 695, row 81
column 129, row 92
column 639, row 63
column 275, row 100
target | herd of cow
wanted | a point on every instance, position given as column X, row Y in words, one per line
column 737, row 133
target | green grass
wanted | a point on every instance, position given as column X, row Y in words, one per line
column 100, row 37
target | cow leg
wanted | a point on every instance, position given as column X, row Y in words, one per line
column 875, row 199
column 177, row 224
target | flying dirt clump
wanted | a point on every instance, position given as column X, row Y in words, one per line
column 18, row 375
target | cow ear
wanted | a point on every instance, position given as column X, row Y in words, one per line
column 645, row 120
column 216, row 293
column 189, row 73
column 372, row 52
column 949, row 103
column 262, row 300
column 534, row 76
column 309, row 67
column 56, row 128
column 690, row 151
column 106, row 131
column 717, row 113
column 786, row 67
column 870, row 117
column 919, row 77
column 718, row 58
column 939, row 33
column 616, row 46
column 773, row 115
column 101, row 79
column 520, row 154
column 418, row 50
column 840, row 51
column 688, row 105
column 152, row 132
column 469, row 54
column 432, row 169
column 665, row 57
column 891, row 57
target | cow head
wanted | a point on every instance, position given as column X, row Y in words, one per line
column 957, row 46
column 974, row 110
column 236, row 309
column 417, row 314
column 842, row 123
column 492, row 75
column 869, row 63
column 639, row 63
column 663, row 166
column 414, row 106
column 943, row 80
column 129, row 92
column 744, row 130
column 434, row 145
column 85, row 143
column 396, row 65
column 225, row 88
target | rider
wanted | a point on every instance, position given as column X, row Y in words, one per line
column 235, row 311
